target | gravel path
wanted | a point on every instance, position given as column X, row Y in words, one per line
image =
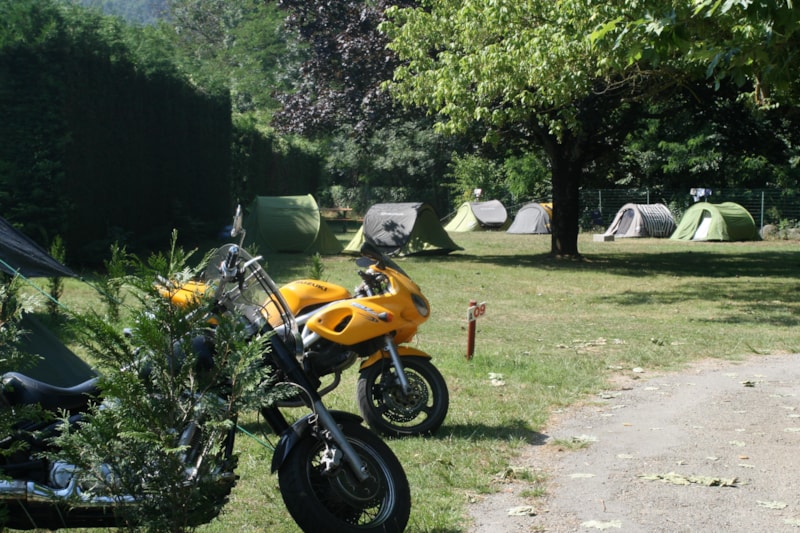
column 715, row 448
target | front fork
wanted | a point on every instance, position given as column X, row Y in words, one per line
column 322, row 422
column 391, row 347
column 320, row 416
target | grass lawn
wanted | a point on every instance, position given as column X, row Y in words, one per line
column 555, row 332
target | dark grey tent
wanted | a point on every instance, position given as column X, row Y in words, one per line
column 477, row 216
column 403, row 229
column 19, row 255
column 532, row 218
column 58, row 365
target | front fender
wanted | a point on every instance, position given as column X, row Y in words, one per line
column 404, row 351
column 298, row 430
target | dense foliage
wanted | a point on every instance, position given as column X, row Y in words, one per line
column 13, row 358
column 97, row 128
column 576, row 79
column 205, row 103
column 154, row 384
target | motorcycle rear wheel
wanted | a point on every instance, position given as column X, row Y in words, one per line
column 390, row 412
column 336, row 501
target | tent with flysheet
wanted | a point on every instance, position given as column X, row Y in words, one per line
column 532, row 218
column 642, row 220
column 57, row 364
column 289, row 224
column 21, row 255
column 727, row 221
column 403, row 229
column 478, row 216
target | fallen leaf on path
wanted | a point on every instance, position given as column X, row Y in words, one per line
column 773, row 505
column 496, row 379
column 680, row 479
column 523, row 510
column 602, row 525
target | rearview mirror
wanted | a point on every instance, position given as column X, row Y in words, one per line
column 236, row 229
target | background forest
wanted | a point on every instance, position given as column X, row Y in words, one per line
column 123, row 119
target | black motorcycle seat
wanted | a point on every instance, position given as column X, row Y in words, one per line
column 19, row 389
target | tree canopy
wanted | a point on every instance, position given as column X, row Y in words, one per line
column 570, row 76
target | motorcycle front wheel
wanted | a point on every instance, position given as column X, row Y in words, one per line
column 391, row 412
column 323, row 499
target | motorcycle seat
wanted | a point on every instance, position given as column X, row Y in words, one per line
column 19, row 389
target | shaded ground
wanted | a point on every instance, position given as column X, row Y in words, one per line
column 714, row 448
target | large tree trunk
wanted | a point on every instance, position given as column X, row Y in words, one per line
column 566, row 178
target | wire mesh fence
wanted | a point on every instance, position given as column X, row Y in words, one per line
column 767, row 206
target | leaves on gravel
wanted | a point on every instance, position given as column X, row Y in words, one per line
column 679, row 479
column 523, row 510
column 773, row 505
column 602, row 525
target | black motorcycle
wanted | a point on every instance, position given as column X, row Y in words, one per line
column 334, row 474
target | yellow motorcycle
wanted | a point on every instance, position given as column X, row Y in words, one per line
column 400, row 392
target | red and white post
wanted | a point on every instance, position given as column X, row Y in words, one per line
column 473, row 312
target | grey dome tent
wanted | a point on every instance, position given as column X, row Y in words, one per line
column 403, row 229
column 289, row 224
column 477, row 216
column 642, row 220
column 532, row 218
column 58, row 365
column 727, row 221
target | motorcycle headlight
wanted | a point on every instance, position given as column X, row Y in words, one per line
column 421, row 305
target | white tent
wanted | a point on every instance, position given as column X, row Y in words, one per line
column 642, row 220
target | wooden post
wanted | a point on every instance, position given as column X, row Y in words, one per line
column 471, row 332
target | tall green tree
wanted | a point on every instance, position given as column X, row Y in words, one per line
column 572, row 77
column 750, row 42
column 527, row 74
column 235, row 44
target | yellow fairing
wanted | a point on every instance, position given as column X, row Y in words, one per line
column 404, row 351
column 190, row 293
column 306, row 293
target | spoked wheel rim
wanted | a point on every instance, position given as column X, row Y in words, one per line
column 390, row 411
column 353, row 501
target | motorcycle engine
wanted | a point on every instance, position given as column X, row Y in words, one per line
column 322, row 362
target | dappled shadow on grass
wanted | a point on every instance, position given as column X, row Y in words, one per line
column 516, row 430
column 763, row 302
column 711, row 263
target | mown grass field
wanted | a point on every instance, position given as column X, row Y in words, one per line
column 556, row 332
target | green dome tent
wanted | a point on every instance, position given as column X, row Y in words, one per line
column 478, row 216
column 289, row 224
column 403, row 229
column 727, row 221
